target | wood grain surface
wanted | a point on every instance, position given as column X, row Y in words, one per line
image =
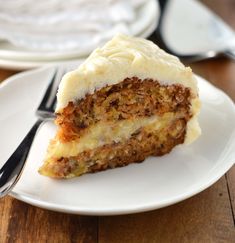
column 206, row 217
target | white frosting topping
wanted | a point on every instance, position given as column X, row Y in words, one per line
column 120, row 58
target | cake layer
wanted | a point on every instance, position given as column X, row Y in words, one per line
column 129, row 99
column 120, row 58
column 154, row 139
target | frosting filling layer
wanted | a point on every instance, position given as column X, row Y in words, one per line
column 107, row 133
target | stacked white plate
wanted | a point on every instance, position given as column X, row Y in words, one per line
column 56, row 31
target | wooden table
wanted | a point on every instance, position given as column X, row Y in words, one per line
column 206, row 217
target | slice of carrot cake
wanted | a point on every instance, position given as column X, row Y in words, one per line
column 127, row 101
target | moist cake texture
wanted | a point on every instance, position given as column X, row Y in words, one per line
column 127, row 101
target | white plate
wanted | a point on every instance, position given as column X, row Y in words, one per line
column 146, row 16
column 22, row 65
column 155, row 183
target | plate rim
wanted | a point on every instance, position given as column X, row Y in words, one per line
column 113, row 212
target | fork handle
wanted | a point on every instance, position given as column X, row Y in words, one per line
column 11, row 170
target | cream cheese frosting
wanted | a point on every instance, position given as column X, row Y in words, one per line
column 107, row 133
column 120, row 58
column 127, row 57
column 104, row 133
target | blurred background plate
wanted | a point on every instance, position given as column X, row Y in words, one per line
column 22, row 64
column 144, row 22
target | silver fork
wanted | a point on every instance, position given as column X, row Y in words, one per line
column 13, row 167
